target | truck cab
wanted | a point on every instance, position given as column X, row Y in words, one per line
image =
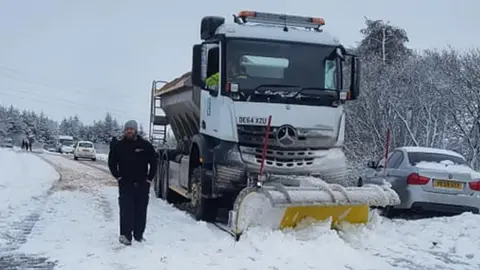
column 268, row 91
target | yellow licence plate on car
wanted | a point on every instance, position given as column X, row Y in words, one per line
column 447, row 184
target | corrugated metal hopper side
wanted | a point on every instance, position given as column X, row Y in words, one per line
column 180, row 101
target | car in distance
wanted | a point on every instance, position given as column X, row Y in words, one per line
column 85, row 149
column 427, row 180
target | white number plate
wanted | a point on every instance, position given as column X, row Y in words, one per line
column 248, row 120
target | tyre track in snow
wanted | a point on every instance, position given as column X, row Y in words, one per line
column 17, row 235
column 216, row 226
column 84, row 178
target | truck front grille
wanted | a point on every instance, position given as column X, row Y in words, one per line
column 280, row 158
column 255, row 135
column 302, row 155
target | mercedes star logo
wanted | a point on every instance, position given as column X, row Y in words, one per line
column 286, row 135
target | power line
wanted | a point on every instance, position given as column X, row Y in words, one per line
column 66, row 103
column 69, row 83
column 80, row 89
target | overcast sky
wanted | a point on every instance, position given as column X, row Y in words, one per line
column 92, row 56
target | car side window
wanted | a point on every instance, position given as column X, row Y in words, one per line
column 400, row 160
column 395, row 160
column 381, row 162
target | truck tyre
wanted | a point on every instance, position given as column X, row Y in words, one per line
column 390, row 212
column 165, row 193
column 157, row 180
column 203, row 208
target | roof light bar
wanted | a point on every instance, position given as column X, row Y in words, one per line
column 280, row 19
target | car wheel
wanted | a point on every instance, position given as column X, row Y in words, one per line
column 75, row 157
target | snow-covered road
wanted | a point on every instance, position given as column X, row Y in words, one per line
column 75, row 226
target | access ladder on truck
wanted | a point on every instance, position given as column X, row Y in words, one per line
column 158, row 121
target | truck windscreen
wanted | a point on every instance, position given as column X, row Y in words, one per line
column 65, row 142
column 283, row 66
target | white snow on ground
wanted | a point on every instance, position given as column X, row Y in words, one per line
column 24, row 180
column 102, row 157
column 79, row 228
column 427, row 244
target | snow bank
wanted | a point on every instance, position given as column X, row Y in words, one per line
column 24, row 180
column 430, row 244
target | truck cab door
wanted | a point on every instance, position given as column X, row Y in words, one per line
column 210, row 96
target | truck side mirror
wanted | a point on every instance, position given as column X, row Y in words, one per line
column 355, row 78
column 197, row 66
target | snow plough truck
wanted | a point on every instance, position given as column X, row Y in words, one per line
column 259, row 126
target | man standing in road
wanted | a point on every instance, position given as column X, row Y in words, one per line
column 133, row 162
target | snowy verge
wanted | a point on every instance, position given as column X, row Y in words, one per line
column 24, row 180
column 430, row 244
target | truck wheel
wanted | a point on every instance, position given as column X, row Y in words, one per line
column 157, row 182
column 203, row 208
column 389, row 212
column 165, row 192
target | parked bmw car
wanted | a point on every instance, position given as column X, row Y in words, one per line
column 427, row 180
column 85, row 149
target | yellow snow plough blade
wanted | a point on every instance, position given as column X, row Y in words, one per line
column 353, row 214
column 277, row 206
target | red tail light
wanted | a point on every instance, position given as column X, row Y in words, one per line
column 474, row 185
column 415, row 179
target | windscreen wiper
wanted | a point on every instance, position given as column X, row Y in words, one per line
column 277, row 86
column 281, row 90
column 317, row 92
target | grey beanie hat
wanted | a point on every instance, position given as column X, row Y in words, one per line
column 131, row 124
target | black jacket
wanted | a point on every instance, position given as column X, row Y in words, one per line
column 113, row 141
column 129, row 159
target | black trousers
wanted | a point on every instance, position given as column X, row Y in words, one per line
column 133, row 202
